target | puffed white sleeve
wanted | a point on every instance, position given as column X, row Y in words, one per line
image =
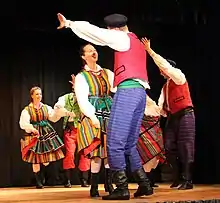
column 60, row 102
column 52, row 114
column 59, row 107
column 24, row 122
column 115, row 39
column 175, row 74
column 82, row 93
column 161, row 101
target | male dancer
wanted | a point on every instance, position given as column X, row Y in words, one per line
column 69, row 102
column 128, row 106
column 175, row 101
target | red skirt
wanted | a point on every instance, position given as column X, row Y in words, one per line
column 150, row 143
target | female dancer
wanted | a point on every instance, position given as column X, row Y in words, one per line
column 150, row 143
column 92, row 87
column 40, row 144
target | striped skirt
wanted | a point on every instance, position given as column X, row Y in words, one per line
column 150, row 143
column 46, row 148
column 92, row 141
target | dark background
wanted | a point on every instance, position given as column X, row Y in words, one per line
column 33, row 52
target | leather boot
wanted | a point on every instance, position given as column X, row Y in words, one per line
column 67, row 182
column 144, row 187
column 121, row 192
column 150, row 175
column 108, row 181
column 94, row 185
column 43, row 173
column 39, row 184
column 187, row 177
column 52, row 175
column 84, row 178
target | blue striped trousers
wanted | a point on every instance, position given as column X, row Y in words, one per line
column 124, row 127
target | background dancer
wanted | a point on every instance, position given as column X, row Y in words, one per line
column 175, row 102
column 150, row 143
column 68, row 102
column 40, row 144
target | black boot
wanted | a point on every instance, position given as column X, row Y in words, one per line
column 144, row 187
column 108, row 181
column 150, row 175
column 84, row 178
column 94, row 185
column 121, row 192
column 187, row 177
column 67, row 182
column 52, row 175
column 39, row 184
column 43, row 173
column 175, row 165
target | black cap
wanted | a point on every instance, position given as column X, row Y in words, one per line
column 115, row 20
column 172, row 63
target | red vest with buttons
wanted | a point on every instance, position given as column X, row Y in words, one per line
column 132, row 63
column 178, row 97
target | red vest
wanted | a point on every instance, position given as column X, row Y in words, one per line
column 178, row 96
column 132, row 63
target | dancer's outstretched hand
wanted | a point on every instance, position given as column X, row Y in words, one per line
column 73, row 80
column 62, row 20
column 146, row 43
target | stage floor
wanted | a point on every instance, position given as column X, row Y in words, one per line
column 78, row 194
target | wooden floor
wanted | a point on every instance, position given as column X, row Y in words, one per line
column 78, row 194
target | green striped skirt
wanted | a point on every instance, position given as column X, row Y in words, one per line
column 47, row 148
column 92, row 141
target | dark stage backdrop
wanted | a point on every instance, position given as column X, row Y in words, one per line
column 35, row 53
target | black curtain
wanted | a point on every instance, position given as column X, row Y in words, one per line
column 35, row 53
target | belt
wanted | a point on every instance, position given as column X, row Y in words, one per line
column 181, row 112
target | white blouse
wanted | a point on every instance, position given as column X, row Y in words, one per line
column 82, row 91
column 24, row 121
column 152, row 109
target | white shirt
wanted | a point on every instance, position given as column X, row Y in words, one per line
column 24, row 121
column 115, row 39
column 151, row 109
column 174, row 74
column 82, row 91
